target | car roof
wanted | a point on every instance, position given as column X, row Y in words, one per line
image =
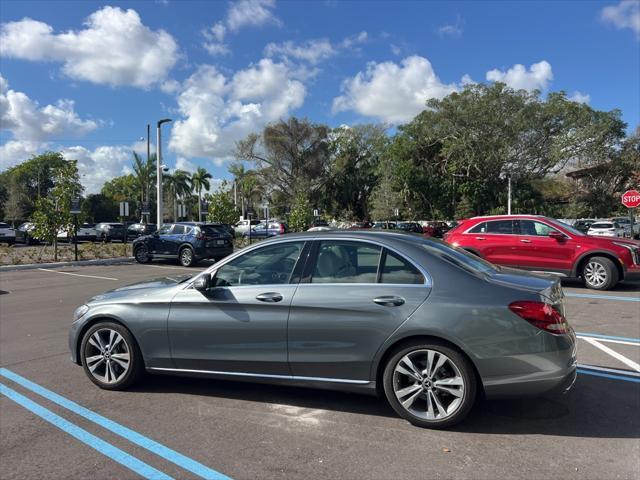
column 506, row 217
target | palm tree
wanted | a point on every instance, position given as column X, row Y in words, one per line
column 145, row 172
column 177, row 184
column 200, row 180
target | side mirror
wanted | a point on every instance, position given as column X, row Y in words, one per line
column 556, row 235
column 203, row 282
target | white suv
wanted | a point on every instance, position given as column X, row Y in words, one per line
column 243, row 226
column 7, row 234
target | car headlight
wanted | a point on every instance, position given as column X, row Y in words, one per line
column 635, row 251
column 80, row 311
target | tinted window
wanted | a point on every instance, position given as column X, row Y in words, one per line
column 602, row 225
column 212, row 230
column 533, row 228
column 480, row 228
column 346, row 262
column 398, row 270
column 4, row 225
column 265, row 266
column 504, row 227
column 178, row 230
column 164, row 230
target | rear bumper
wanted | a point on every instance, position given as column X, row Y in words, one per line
column 214, row 252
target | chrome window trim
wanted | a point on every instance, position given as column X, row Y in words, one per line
column 428, row 281
column 262, row 375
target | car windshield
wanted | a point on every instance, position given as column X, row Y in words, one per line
column 567, row 227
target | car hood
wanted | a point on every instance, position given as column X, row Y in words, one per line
column 604, row 242
column 141, row 289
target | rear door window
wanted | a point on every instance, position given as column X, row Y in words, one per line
column 346, row 262
column 397, row 270
column 500, row 227
column 177, row 230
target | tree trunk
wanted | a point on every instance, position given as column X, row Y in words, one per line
column 199, row 205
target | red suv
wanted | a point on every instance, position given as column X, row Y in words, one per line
column 542, row 244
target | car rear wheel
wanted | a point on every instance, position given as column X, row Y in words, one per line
column 110, row 356
column 430, row 385
column 142, row 255
column 599, row 273
column 186, row 257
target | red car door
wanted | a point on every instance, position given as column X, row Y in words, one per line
column 537, row 250
column 495, row 241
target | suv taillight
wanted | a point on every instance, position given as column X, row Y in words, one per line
column 541, row 315
column 281, row 228
column 200, row 235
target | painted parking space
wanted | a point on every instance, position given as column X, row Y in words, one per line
column 244, row 430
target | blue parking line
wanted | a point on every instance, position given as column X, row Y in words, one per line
column 608, row 375
column 154, row 447
column 108, row 450
column 603, row 297
column 608, row 337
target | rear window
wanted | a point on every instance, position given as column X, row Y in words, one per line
column 602, row 225
column 4, row 225
column 212, row 230
column 460, row 258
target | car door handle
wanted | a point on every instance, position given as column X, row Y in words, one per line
column 389, row 301
column 480, row 238
column 269, row 297
column 524, row 240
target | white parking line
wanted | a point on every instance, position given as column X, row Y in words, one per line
column 77, row 274
column 174, row 268
column 610, row 340
column 614, row 354
column 609, row 370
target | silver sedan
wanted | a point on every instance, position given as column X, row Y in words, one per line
column 427, row 326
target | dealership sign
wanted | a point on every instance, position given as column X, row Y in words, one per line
column 631, row 198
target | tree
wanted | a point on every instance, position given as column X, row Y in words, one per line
column 13, row 206
column 199, row 181
column 145, row 172
column 52, row 213
column 249, row 185
column 221, row 207
column 99, row 208
column 385, row 197
column 178, row 184
column 352, row 172
column 292, row 155
column 301, row 215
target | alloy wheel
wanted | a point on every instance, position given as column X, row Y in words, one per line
column 595, row 274
column 142, row 254
column 186, row 256
column 428, row 384
column 107, row 356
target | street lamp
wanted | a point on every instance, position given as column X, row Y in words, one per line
column 159, row 171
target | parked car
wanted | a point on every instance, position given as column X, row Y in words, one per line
column 86, row 233
column 139, row 229
column 428, row 325
column 320, row 229
column 412, row 227
column 384, row 225
column 269, row 229
column 7, row 234
column 606, row 229
column 110, row 231
column 25, row 234
column 318, row 223
column 361, row 226
column 188, row 242
column 242, row 226
column 542, row 244
column 435, row 229
column 630, row 231
column 583, row 225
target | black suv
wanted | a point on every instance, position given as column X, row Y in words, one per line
column 110, row 231
column 186, row 241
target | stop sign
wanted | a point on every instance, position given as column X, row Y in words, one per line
column 631, row 198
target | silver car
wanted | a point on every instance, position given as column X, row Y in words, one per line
column 424, row 324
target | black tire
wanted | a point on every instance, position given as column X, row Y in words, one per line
column 600, row 273
column 468, row 390
column 136, row 362
column 142, row 255
column 186, row 257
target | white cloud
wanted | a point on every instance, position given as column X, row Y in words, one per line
column 184, row 164
column 114, row 48
column 391, row 92
column 251, row 13
column 29, row 122
column 99, row 165
column 625, row 14
column 580, row 97
column 218, row 110
column 241, row 14
column 537, row 77
column 14, row 152
column 312, row 51
column 451, row 29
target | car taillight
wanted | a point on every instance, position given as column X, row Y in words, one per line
column 200, row 236
column 541, row 315
column 281, row 228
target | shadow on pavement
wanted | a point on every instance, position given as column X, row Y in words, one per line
column 620, row 287
column 595, row 407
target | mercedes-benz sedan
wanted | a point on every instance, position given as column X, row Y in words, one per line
column 427, row 325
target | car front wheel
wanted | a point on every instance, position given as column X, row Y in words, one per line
column 110, row 356
column 430, row 385
column 142, row 255
column 599, row 273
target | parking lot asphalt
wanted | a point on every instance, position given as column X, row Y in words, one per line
column 54, row 423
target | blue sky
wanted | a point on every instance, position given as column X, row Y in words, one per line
column 86, row 77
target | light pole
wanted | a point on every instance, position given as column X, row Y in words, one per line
column 509, row 195
column 159, row 172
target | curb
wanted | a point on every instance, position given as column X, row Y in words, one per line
column 79, row 263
